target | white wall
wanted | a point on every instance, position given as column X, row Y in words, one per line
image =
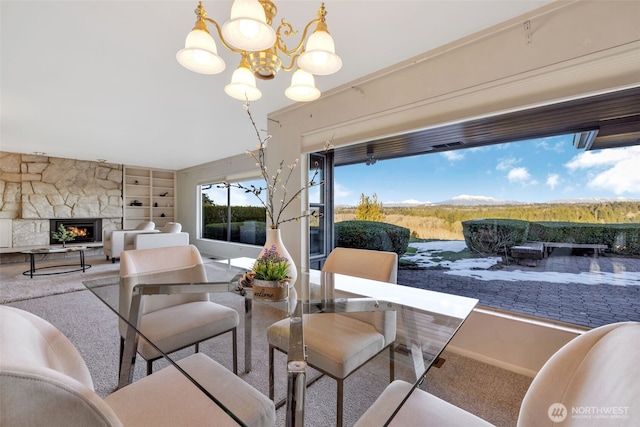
column 576, row 49
column 517, row 343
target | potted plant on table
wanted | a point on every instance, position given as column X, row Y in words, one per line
column 269, row 276
column 63, row 235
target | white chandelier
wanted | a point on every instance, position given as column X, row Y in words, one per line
column 248, row 33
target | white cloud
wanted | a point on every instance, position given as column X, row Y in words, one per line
column 553, row 180
column 615, row 170
column 240, row 197
column 604, row 158
column 621, row 178
column 557, row 146
column 519, row 175
column 341, row 195
column 507, row 163
column 314, row 193
column 453, row 156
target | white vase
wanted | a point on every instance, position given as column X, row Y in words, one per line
column 274, row 238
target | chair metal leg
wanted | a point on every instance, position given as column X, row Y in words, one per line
column 197, row 347
column 339, row 403
column 149, row 367
column 121, row 355
column 234, row 335
column 392, row 364
column 271, row 379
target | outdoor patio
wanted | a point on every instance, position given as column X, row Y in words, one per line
column 580, row 290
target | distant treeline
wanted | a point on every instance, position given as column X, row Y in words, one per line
column 445, row 221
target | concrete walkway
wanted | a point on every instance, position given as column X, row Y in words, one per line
column 589, row 305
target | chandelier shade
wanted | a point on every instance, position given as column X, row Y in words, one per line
column 247, row 28
column 248, row 32
column 243, row 84
column 200, row 54
column 320, row 54
column 303, row 87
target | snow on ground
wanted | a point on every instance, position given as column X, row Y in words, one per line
column 427, row 256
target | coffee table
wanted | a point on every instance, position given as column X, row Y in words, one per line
column 55, row 250
column 430, row 320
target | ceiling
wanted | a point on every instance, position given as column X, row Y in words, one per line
column 98, row 79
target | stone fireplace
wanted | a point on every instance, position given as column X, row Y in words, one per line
column 35, row 189
column 87, row 230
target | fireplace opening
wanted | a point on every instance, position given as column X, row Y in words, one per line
column 87, row 230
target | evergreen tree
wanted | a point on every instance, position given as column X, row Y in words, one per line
column 369, row 209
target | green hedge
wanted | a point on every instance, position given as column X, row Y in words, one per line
column 378, row 236
column 253, row 234
column 212, row 214
column 493, row 235
column 247, row 223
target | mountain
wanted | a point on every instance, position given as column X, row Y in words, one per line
column 406, row 203
column 466, row 200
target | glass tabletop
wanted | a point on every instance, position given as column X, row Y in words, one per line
column 424, row 322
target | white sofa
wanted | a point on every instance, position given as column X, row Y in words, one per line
column 169, row 235
column 113, row 241
column 157, row 240
column 45, row 382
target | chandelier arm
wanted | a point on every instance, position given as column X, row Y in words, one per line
column 281, row 45
column 293, row 62
column 224, row 42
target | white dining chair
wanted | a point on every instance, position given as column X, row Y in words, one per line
column 45, row 382
column 596, row 369
column 172, row 322
column 339, row 344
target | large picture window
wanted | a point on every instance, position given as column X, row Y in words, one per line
column 232, row 215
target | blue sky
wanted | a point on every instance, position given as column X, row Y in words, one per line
column 532, row 171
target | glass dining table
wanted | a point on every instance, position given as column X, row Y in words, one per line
column 426, row 322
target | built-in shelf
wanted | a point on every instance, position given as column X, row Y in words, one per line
column 149, row 195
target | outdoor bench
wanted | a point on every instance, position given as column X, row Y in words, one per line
column 534, row 251
column 596, row 247
column 531, row 251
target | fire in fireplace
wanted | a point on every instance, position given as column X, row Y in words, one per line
column 87, row 230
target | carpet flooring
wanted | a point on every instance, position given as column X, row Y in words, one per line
column 489, row 392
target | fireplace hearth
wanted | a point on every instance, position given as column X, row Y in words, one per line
column 88, row 230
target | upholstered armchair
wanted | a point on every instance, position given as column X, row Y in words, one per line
column 170, row 235
column 338, row 344
column 172, row 322
column 113, row 240
column 598, row 369
column 45, row 382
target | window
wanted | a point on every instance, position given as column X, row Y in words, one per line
column 231, row 214
column 321, row 201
